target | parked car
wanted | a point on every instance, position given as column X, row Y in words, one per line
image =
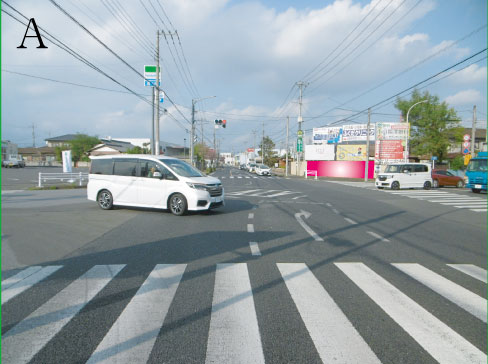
column 445, row 178
column 242, row 167
column 263, row 170
column 152, row 181
column 405, row 175
column 13, row 162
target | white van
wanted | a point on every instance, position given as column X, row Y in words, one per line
column 152, row 181
column 405, row 175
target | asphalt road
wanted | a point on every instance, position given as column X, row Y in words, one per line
column 289, row 271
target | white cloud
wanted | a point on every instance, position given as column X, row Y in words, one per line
column 464, row 98
column 471, row 74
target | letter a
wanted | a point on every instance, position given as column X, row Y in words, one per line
column 38, row 36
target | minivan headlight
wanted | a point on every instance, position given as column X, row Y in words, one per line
column 197, row 186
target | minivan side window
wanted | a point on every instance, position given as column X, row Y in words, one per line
column 101, row 166
column 125, row 167
column 148, row 168
column 168, row 175
column 421, row 168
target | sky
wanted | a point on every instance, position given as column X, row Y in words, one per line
column 250, row 55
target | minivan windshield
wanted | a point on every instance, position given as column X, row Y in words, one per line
column 182, row 168
column 392, row 168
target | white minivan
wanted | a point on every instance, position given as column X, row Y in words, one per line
column 405, row 175
column 151, row 181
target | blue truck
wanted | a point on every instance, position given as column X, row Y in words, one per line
column 476, row 173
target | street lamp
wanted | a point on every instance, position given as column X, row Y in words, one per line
column 192, row 131
column 408, row 131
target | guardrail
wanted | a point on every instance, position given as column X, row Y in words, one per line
column 309, row 172
column 63, row 177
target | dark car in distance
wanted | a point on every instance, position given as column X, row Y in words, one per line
column 445, row 178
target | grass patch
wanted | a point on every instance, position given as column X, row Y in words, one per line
column 56, row 187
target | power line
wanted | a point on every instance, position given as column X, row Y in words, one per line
column 114, row 53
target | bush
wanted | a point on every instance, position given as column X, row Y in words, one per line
column 457, row 163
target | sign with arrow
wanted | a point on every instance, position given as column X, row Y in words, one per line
column 307, row 228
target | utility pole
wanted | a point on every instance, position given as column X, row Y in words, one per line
column 366, row 165
column 33, row 136
column 254, row 143
column 473, row 131
column 300, row 85
column 184, row 148
column 156, row 96
column 262, row 147
column 192, row 131
column 214, row 145
column 287, row 132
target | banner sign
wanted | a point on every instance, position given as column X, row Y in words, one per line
column 324, row 152
column 66, row 154
column 327, row 135
column 392, row 131
column 250, row 150
column 351, row 152
column 389, row 151
column 357, row 132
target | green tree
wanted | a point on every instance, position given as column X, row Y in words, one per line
column 137, row 150
column 268, row 150
column 434, row 125
column 80, row 145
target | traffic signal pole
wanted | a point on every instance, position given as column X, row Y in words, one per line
column 156, row 96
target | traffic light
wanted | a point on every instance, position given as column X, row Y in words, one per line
column 222, row 123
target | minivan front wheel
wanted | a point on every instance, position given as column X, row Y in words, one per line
column 427, row 185
column 105, row 200
column 177, row 204
column 395, row 185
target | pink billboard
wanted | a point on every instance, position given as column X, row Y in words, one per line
column 346, row 169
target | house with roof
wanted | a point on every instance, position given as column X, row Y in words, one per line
column 61, row 141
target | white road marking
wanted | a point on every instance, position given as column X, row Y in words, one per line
column 23, row 341
column 281, row 193
column 250, row 228
column 328, row 204
column 465, row 203
column 254, row 248
column 239, row 193
column 468, row 206
column 333, row 335
column 239, row 176
column 461, row 199
column 307, row 228
column 462, row 297
column 439, row 340
column 471, row 270
column 479, row 210
column 231, row 177
column 7, row 192
column 234, row 332
column 350, row 221
column 251, row 216
column 294, row 198
column 335, row 211
column 377, row 236
column 132, row 336
column 24, row 280
column 260, row 193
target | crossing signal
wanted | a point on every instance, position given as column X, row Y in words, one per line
column 224, row 123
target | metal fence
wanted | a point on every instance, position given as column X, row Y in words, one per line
column 310, row 172
column 48, row 178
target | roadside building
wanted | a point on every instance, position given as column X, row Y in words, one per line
column 110, row 146
column 61, row 141
column 43, row 156
column 8, row 148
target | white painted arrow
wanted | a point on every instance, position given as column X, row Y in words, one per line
column 307, row 228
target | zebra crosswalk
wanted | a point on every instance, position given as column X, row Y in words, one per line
column 263, row 193
column 249, row 177
column 235, row 334
column 443, row 197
